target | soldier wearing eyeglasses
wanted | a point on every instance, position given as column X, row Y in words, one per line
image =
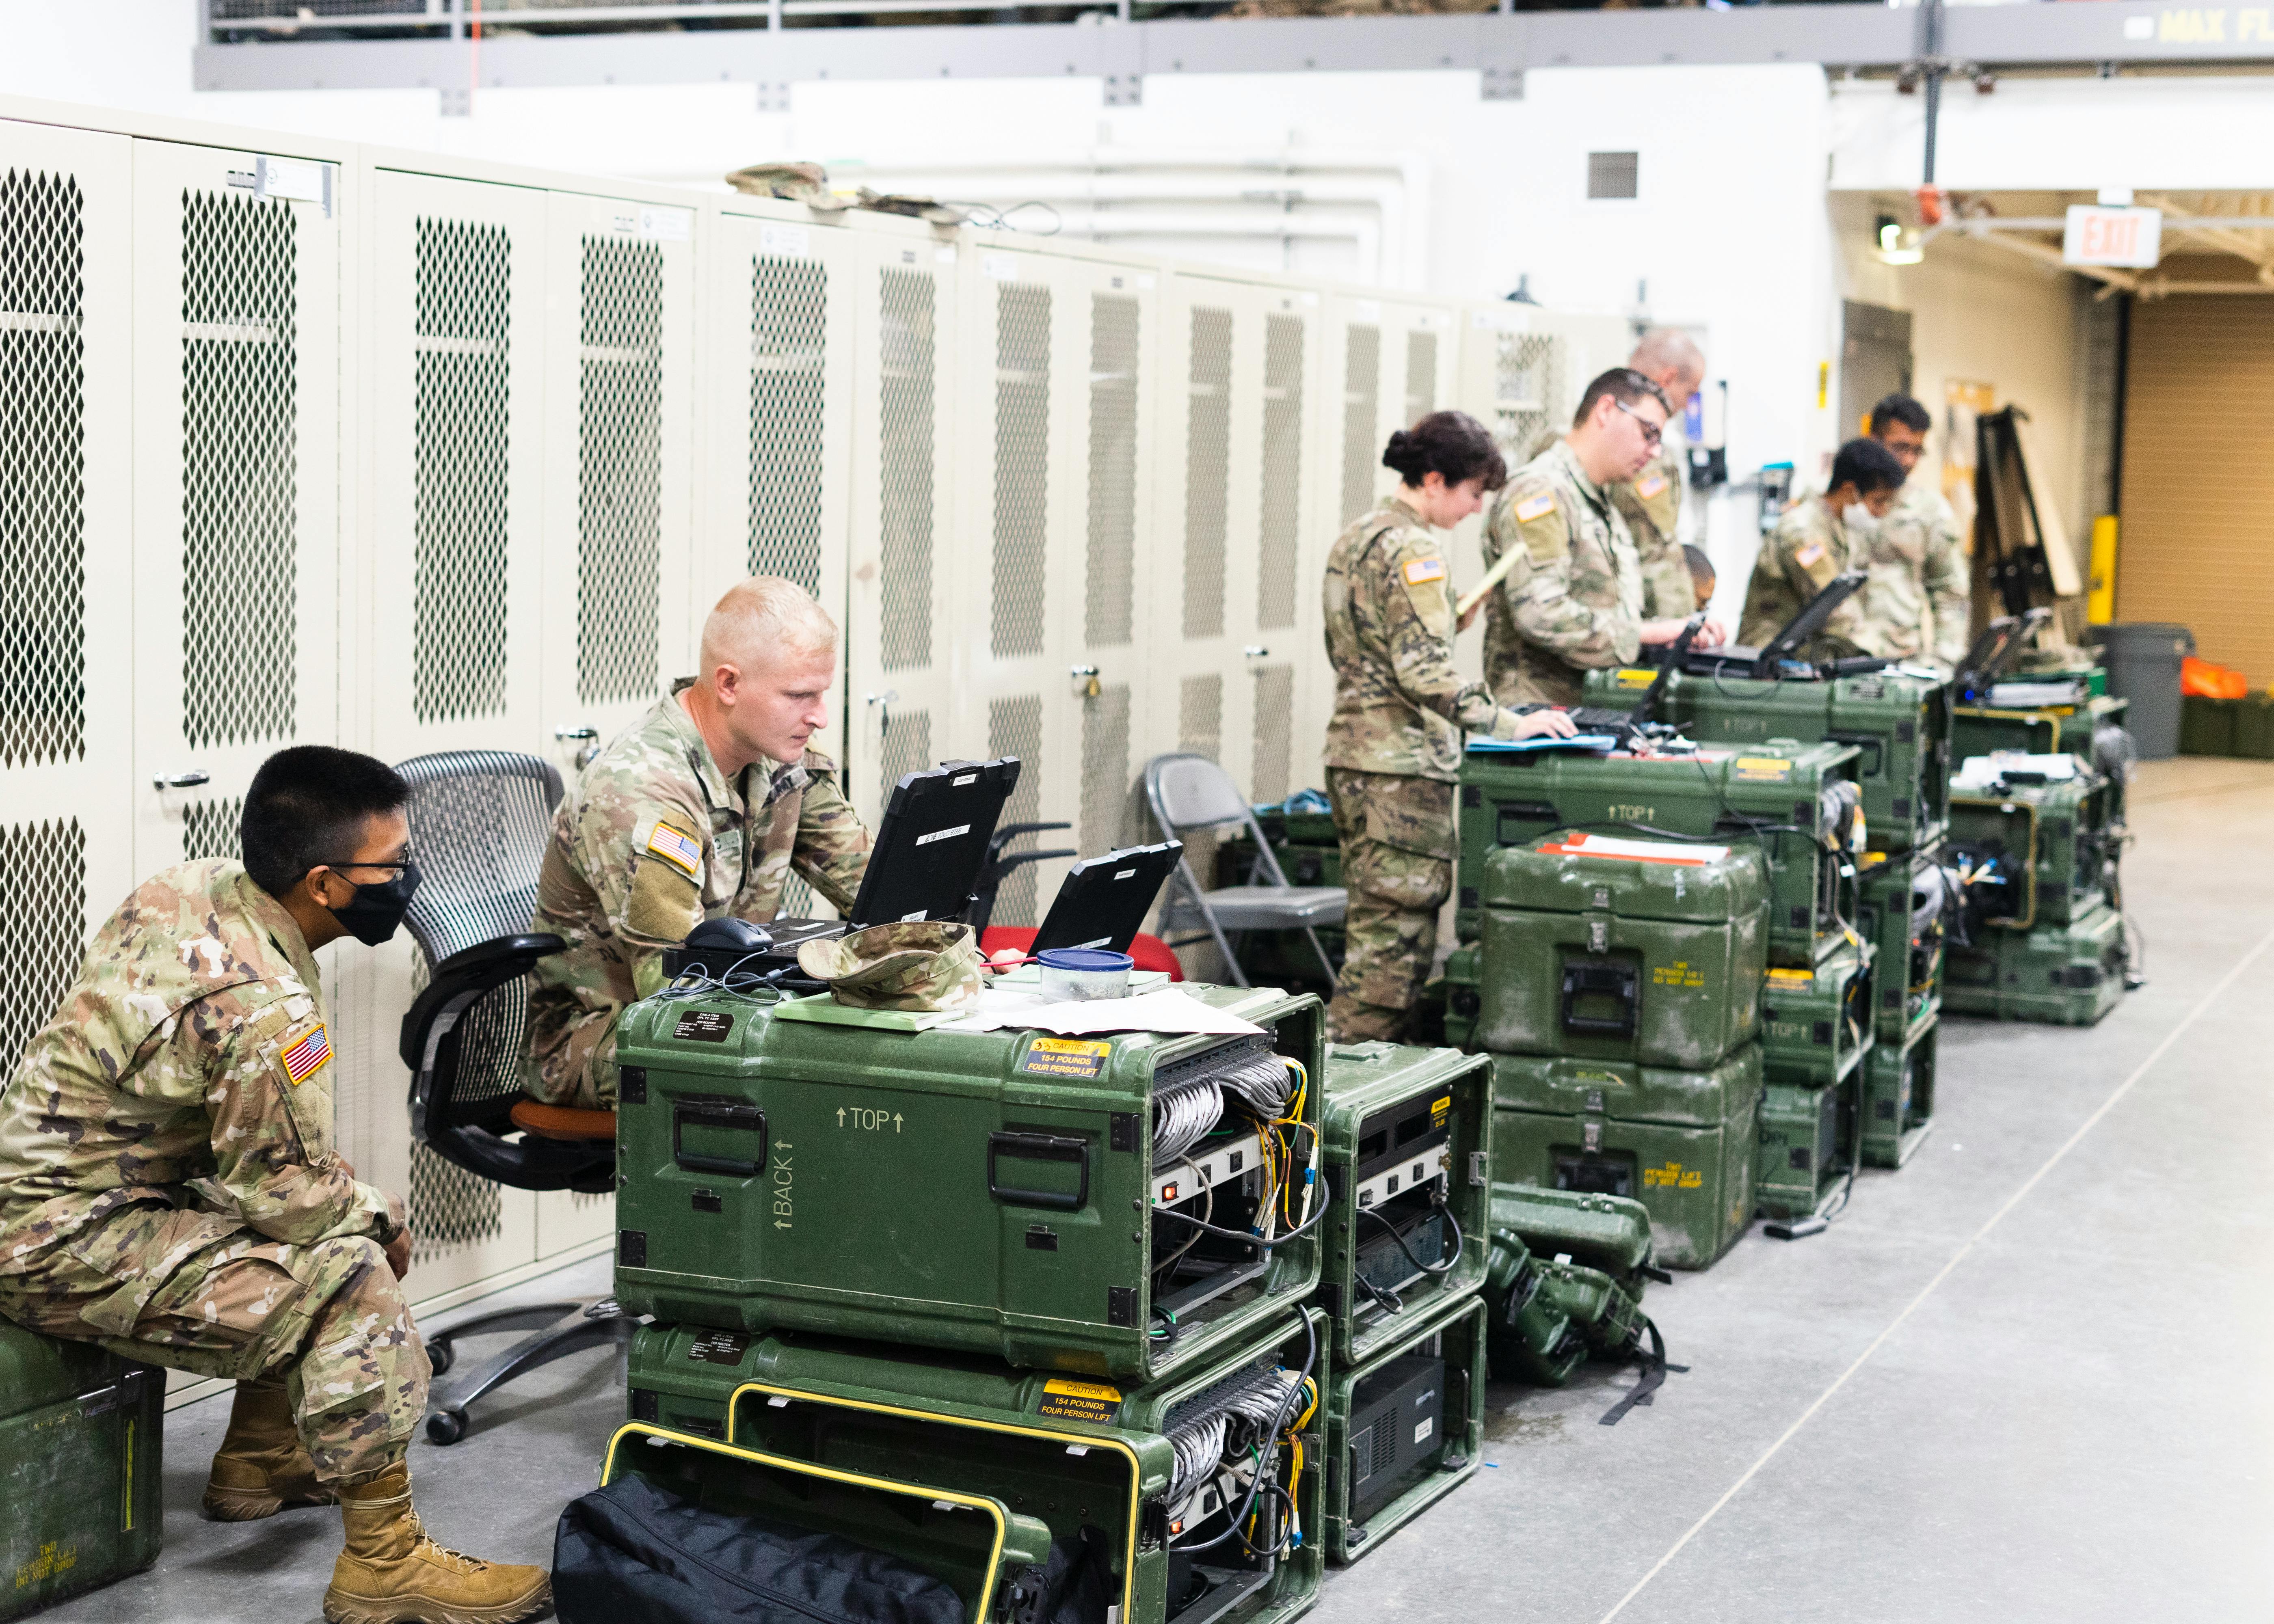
column 1574, row 599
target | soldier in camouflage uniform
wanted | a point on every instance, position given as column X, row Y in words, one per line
column 1572, row 598
column 1815, row 541
column 1920, row 588
column 700, row 810
column 1650, row 503
column 169, row 1186
column 1394, row 742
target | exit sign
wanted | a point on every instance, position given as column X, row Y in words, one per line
column 2128, row 237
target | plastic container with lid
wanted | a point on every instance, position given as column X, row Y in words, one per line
column 1084, row 972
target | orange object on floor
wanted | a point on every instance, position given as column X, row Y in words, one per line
column 2206, row 681
column 1150, row 953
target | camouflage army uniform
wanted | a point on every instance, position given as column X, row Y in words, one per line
column 1393, row 750
column 1650, row 503
column 653, row 841
column 1575, row 601
column 169, row 1186
column 1810, row 546
column 1915, row 606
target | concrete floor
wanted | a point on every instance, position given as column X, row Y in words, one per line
column 2021, row 1381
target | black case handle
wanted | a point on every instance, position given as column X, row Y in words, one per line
column 717, row 1114
column 1600, row 979
column 1038, row 1147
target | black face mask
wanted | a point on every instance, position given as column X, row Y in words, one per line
column 372, row 915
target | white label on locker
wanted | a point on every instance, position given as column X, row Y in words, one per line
column 625, row 222
column 665, row 225
column 785, row 242
column 1002, row 267
column 1366, row 310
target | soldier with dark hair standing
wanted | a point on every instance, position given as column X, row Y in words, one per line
column 1394, row 743
column 1815, row 540
column 1917, row 601
column 170, row 1187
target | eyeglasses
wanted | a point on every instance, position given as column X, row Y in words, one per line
column 1653, row 434
column 396, row 866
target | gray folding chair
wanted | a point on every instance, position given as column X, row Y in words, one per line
column 1191, row 791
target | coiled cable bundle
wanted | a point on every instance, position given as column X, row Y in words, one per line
column 1242, row 1420
column 1184, row 1111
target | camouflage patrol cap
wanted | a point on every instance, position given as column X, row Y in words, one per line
column 917, row 965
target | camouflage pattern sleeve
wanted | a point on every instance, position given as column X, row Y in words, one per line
column 644, row 850
column 1947, row 572
column 1416, row 622
column 1542, row 590
column 269, row 1078
column 832, row 844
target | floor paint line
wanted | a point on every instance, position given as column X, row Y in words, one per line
column 1943, row 1273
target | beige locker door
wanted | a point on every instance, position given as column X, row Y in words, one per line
column 618, row 528
column 1111, row 363
column 1205, row 322
column 1051, row 427
column 456, row 370
column 68, row 774
column 238, row 323
column 777, row 419
column 618, row 439
column 903, row 713
column 1289, row 550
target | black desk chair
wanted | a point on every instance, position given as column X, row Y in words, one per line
column 479, row 821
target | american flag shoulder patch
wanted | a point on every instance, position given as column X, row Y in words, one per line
column 307, row 1055
column 1537, row 507
column 1419, row 571
column 1649, row 485
column 678, row 849
column 1808, row 555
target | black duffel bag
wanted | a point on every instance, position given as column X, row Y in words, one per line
column 635, row 1553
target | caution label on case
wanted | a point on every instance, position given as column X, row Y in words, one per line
column 1078, row 1400
column 1066, row 1056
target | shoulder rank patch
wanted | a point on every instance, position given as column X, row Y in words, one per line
column 1650, row 485
column 1807, row 556
column 310, row 1054
column 1418, row 570
column 679, row 850
column 1538, row 508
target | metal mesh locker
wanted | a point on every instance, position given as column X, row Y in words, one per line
column 619, row 464
column 1280, row 524
column 461, row 444
column 789, row 337
column 1208, row 470
column 1109, row 610
column 1361, row 406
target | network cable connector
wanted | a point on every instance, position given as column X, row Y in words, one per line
column 1198, row 1497
column 1119, row 1205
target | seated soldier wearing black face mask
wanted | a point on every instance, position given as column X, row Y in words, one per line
column 169, row 1188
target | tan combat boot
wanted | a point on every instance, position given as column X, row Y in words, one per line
column 262, row 1468
column 391, row 1572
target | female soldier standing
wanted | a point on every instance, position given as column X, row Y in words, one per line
column 1395, row 741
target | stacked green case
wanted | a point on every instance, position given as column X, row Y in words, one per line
column 1769, row 797
column 1899, row 1097
column 1622, row 1002
column 1066, row 1453
column 1899, row 723
column 920, row 1289
column 1906, row 969
column 1407, row 1457
column 81, row 1488
column 1401, row 1126
column 1568, row 1276
column 1679, row 1143
column 2063, row 975
column 986, row 1191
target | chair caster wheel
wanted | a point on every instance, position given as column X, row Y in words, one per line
column 446, row 1426
column 442, row 1356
